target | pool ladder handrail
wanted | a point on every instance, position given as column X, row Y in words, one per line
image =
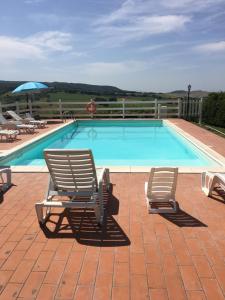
column 68, row 115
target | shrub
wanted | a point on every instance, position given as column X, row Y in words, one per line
column 214, row 109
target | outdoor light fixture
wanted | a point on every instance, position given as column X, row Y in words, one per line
column 188, row 99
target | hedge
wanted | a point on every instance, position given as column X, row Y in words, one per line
column 214, row 109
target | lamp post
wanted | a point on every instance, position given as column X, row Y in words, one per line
column 188, row 100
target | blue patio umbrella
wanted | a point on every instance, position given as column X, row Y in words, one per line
column 30, row 88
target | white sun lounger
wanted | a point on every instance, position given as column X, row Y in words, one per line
column 29, row 121
column 211, row 180
column 16, row 125
column 9, row 135
column 39, row 123
column 160, row 189
column 5, row 178
column 73, row 174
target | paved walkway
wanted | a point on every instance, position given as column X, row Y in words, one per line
column 134, row 256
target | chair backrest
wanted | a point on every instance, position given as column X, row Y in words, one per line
column 162, row 183
column 14, row 115
column 2, row 119
column 72, row 170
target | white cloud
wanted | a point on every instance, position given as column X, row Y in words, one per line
column 51, row 41
column 141, row 27
column 211, row 47
column 190, row 5
column 37, row 46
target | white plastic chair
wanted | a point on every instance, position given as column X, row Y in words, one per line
column 73, row 174
column 160, row 189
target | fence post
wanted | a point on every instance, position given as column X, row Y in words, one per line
column 60, row 109
column 179, row 108
column 200, row 110
column 30, row 106
column 123, row 108
column 17, row 108
column 159, row 110
column 156, row 109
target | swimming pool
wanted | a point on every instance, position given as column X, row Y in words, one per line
column 117, row 143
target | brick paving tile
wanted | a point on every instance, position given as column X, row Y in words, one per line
column 22, row 271
column 190, row 278
column 11, row 291
column 158, row 294
column 104, row 280
column 196, row 295
column 120, row 292
column 32, row 285
column 155, row 276
column 121, row 274
column 202, row 266
column 46, row 292
column 220, row 275
column 4, row 278
column 102, row 293
column 6, row 249
column 34, row 251
column 106, row 260
column 43, row 261
column 152, row 255
column 63, row 251
column 139, row 287
column 13, row 260
column 55, row 272
column 67, row 285
column 165, row 246
column 212, row 289
column 84, row 293
column 25, row 242
column 88, row 273
column 194, row 246
column 173, row 280
column 122, row 254
column 137, row 263
column 17, row 235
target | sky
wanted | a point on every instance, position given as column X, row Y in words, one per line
column 142, row 45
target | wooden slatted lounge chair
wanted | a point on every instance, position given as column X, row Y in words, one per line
column 73, row 174
column 5, row 183
column 9, row 135
column 211, row 180
column 39, row 123
column 16, row 125
column 160, row 190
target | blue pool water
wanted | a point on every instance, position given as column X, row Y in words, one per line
column 136, row 143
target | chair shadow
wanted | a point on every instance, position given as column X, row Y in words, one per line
column 2, row 192
column 81, row 224
column 219, row 195
column 183, row 219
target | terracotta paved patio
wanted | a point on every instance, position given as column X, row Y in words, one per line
column 134, row 256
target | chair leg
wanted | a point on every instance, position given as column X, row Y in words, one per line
column 98, row 215
column 107, row 179
column 39, row 212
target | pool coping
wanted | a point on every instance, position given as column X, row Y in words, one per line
column 126, row 169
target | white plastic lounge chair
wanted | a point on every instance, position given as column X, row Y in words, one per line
column 39, row 123
column 73, row 174
column 17, row 118
column 160, row 189
column 5, row 182
column 16, row 125
column 211, row 180
column 9, row 135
